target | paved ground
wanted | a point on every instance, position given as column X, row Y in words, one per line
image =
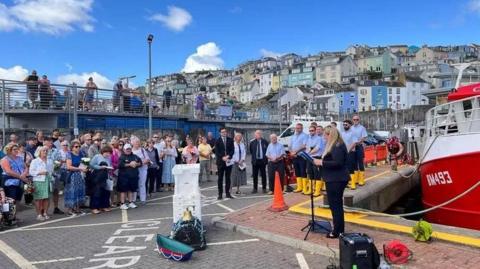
column 100, row 241
column 437, row 254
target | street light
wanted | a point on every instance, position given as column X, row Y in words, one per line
column 150, row 40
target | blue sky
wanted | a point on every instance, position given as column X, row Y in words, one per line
column 107, row 38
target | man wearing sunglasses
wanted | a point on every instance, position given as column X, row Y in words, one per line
column 350, row 142
column 359, row 134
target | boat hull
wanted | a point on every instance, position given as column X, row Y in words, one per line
column 445, row 177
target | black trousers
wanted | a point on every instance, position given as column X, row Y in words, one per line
column 152, row 179
column 259, row 166
column 335, row 201
column 272, row 169
column 351, row 161
column 359, row 156
column 223, row 170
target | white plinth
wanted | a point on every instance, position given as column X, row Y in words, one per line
column 187, row 191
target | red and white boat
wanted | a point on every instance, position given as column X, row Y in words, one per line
column 451, row 162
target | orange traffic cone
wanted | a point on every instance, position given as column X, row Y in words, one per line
column 278, row 201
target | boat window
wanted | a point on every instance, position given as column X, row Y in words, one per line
column 467, row 107
column 288, row 132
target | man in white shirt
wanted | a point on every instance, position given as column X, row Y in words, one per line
column 275, row 153
column 350, row 142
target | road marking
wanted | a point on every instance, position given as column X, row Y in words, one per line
column 107, row 223
column 233, row 242
column 124, row 216
column 301, row 261
column 160, row 203
column 58, row 260
column 225, row 207
column 15, row 256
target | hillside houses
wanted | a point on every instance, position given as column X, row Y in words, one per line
column 361, row 78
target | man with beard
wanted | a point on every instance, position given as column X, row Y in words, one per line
column 349, row 139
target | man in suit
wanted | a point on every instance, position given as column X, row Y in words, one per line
column 258, row 149
column 224, row 150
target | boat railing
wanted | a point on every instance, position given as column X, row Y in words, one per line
column 461, row 116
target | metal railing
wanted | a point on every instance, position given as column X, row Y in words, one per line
column 24, row 96
column 462, row 116
column 18, row 96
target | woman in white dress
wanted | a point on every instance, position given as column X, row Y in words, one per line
column 239, row 171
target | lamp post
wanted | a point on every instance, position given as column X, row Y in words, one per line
column 150, row 40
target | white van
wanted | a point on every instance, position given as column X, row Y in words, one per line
column 284, row 137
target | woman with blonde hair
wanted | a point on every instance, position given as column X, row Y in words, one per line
column 239, row 171
column 14, row 173
column 42, row 169
column 336, row 176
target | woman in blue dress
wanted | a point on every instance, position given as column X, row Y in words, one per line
column 169, row 154
column 75, row 183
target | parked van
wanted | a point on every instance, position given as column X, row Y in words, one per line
column 284, row 137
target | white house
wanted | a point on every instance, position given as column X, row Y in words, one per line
column 291, row 96
column 249, row 92
column 266, row 81
column 364, row 97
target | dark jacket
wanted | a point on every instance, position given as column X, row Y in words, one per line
column 221, row 151
column 335, row 164
column 127, row 171
column 253, row 147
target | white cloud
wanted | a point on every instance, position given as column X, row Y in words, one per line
column 474, row 6
column 177, row 18
column 16, row 72
column 48, row 16
column 269, row 53
column 81, row 79
column 207, row 57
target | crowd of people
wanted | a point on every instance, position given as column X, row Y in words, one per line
column 124, row 171
column 92, row 171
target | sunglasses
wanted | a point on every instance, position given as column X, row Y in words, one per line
column 75, row 147
column 155, row 137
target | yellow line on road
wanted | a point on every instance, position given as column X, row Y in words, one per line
column 298, row 206
column 15, row 256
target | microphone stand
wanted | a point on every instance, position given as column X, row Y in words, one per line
column 311, row 223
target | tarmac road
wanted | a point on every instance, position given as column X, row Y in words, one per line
column 127, row 240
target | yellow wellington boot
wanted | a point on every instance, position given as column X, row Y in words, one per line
column 324, row 186
column 357, row 177
column 318, row 188
column 299, row 185
column 361, row 178
column 352, row 182
column 307, row 187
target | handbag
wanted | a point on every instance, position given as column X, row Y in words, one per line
column 109, row 185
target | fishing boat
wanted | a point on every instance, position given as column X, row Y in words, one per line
column 450, row 166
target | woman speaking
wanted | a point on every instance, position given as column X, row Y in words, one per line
column 335, row 174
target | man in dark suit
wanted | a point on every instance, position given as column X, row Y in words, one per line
column 258, row 149
column 224, row 150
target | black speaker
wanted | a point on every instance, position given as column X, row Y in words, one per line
column 358, row 249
